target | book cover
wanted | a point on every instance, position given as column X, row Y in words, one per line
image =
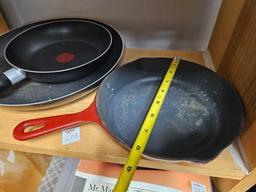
column 101, row 177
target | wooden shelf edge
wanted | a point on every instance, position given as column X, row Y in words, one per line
column 222, row 167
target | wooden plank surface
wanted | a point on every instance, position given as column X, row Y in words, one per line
column 3, row 25
column 238, row 66
column 232, row 49
column 224, row 28
column 95, row 143
column 229, row 185
column 20, row 173
column 224, row 185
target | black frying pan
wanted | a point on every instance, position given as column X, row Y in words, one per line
column 200, row 116
column 30, row 93
column 57, row 51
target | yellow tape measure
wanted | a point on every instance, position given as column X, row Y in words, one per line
column 145, row 131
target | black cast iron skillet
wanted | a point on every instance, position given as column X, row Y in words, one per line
column 57, row 51
column 201, row 115
column 30, row 93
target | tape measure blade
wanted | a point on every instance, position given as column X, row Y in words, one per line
column 145, row 131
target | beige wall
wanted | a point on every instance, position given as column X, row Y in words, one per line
column 164, row 24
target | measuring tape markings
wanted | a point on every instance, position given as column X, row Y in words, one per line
column 146, row 129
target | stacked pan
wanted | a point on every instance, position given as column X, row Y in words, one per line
column 52, row 60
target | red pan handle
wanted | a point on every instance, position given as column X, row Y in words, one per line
column 50, row 124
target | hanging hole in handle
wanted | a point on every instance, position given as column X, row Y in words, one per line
column 31, row 128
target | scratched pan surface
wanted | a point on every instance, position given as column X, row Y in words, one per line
column 201, row 115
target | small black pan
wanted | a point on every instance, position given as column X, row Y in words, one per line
column 57, row 51
column 200, row 116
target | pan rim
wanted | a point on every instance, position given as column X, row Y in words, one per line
column 63, row 70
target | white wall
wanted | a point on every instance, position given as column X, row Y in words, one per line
column 164, row 24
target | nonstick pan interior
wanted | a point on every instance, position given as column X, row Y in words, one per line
column 58, row 45
column 200, row 116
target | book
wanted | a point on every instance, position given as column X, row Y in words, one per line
column 101, row 177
